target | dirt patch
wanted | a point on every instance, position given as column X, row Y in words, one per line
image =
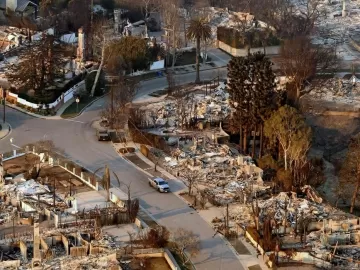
column 332, row 133
column 20, row 164
column 62, row 180
column 158, row 264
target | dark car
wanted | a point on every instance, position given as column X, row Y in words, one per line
column 103, row 135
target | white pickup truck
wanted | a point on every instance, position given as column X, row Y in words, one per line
column 160, row 184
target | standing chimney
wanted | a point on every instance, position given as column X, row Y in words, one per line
column 81, row 45
column 11, row 5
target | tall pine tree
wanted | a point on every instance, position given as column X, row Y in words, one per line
column 252, row 90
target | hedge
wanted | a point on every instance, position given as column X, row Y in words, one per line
column 54, row 95
column 235, row 39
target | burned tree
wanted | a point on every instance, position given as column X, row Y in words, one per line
column 301, row 60
column 41, row 63
column 122, row 92
column 191, row 178
column 185, row 241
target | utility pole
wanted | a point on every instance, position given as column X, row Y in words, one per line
column 4, row 104
column 13, row 226
column 54, row 192
column 111, row 85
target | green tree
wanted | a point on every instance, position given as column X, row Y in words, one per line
column 287, row 127
column 252, row 91
column 90, row 80
column 132, row 51
column 350, row 172
column 198, row 30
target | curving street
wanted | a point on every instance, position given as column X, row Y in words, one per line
column 78, row 140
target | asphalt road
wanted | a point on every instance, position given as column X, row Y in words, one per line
column 78, row 140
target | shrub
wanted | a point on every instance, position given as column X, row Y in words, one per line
column 235, row 39
column 269, row 166
column 156, row 237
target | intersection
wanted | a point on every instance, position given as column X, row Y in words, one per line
column 78, row 139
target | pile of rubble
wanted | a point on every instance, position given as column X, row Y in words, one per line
column 220, row 169
column 337, row 90
column 174, row 112
column 31, row 192
column 91, row 262
column 291, row 207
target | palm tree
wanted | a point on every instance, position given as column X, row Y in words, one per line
column 198, row 30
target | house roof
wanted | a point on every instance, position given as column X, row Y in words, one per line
column 21, row 4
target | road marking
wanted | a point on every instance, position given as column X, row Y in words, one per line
column 74, row 121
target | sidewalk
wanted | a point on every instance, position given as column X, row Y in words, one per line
column 64, row 106
column 30, row 113
column 5, row 130
column 246, row 253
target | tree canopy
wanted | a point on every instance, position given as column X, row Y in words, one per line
column 252, row 90
column 39, row 65
column 350, row 172
column 198, row 30
column 132, row 51
column 287, row 127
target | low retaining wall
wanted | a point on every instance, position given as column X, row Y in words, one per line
column 14, row 98
column 158, row 253
column 270, row 50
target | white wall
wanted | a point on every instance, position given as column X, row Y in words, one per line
column 270, row 50
column 67, row 96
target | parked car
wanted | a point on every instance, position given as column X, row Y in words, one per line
column 160, row 184
column 103, row 135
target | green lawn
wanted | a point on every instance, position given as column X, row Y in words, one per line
column 73, row 110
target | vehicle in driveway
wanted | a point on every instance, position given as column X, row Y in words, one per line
column 103, row 135
column 160, row 184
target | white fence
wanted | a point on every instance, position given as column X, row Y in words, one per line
column 69, row 94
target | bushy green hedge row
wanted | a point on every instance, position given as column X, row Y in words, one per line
column 255, row 38
column 54, row 94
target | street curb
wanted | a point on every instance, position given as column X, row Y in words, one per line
column 83, row 109
column 9, row 128
column 183, row 73
column 227, row 243
column 129, row 162
column 149, row 174
column 28, row 113
column 58, row 117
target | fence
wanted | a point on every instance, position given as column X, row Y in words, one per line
column 69, row 94
column 13, row 154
